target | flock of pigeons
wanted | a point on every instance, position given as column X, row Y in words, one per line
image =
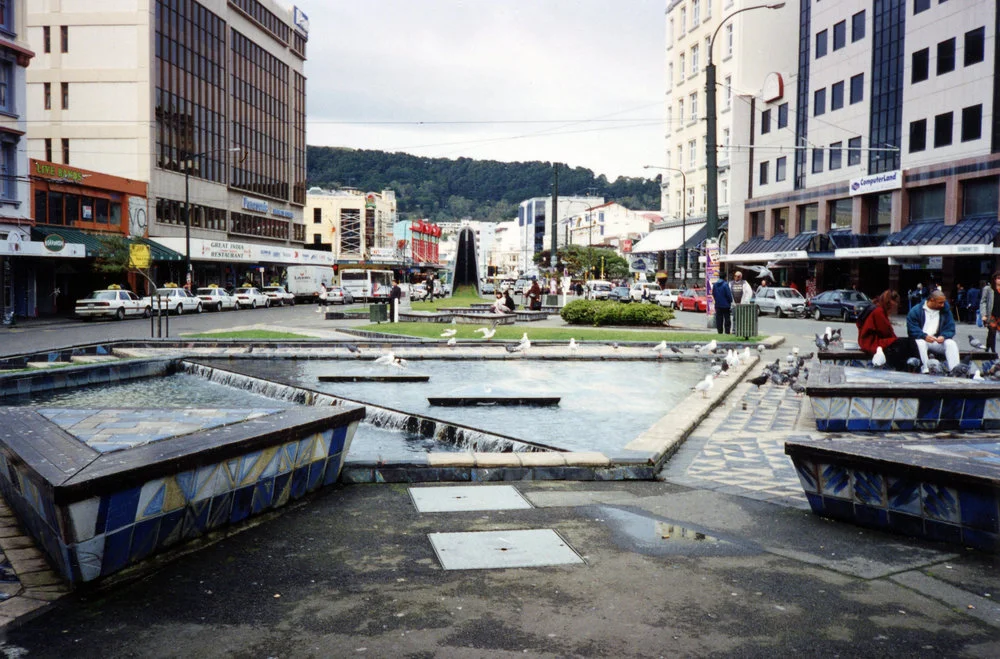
column 964, row 369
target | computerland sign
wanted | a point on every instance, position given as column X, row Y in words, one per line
column 877, row 183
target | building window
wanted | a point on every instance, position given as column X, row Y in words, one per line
column 837, row 95
column 780, row 216
column 857, row 88
column 724, row 191
column 64, row 39
column 46, row 39
column 921, row 65
column 975, row 46
column 765, row 122
column 680, row 111
column 780, row 168
column 942, row 129
column 48, row 149
column 317, row 216
column 694, row 59
column 680, row 155
column 972, row 123
column 670, row 34
column 65, row 150
column 7, row 15
column 927, row 204
column 681, row 60
column 817, row 161
column 858, row 26
column 808, row 217
column 670, row 75
column 695, row 12
column 921, row 5
column 756, row 224
column 65, row 95
column 946, row 56
column 980, row 197
column 7, row 85
column 692, row 153
column 841, row 213
column 836, row 155
column 684, row 20
column 690, row 200
column 763, row 172
column 694, row 106
column 918, row 135
column 729, row 40
column 839, row 35
column 820, row 44
column 729, row 92
column 854, row 151
column 880, row 215
column 47, row 95
column 8, row 168
column 783, row 115
column 819, row 102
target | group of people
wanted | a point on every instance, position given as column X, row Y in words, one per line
column 726, row 294
column 504, row 302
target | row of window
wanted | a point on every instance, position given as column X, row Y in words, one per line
column 65, row 150
column 839, row 211
column 972, row 128
column 839, row 36
column 171, row 211
column 47, row 95
column 836, row 155
column 63, row 38
column 973, row 53
column 682, row 210
column 256, row 225
column 857, row 94
column 8, row 84
column 765, row 119
column 70, row 209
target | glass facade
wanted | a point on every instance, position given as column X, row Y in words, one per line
column 980, row 197
column 880, row 215
column 927, row 204
column 169, row 211
column 802, row 92
column 841, row 213
column 888, row 27
column 808, row 217
column 264, row 18
column 299, row 139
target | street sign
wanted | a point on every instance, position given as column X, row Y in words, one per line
column 138, row 256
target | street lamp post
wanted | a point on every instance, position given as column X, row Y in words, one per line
column 188, row 274
column 683, row 218
column 711, row 163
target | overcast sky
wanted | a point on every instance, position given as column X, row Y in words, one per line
column 573, row 81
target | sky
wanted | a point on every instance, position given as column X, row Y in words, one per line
column 579, row 82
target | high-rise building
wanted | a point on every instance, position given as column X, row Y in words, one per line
column 204, row 100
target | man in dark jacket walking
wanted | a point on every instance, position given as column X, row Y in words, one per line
column 723, row 297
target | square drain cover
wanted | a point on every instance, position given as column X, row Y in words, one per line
column 502, row 549
column 467, row 497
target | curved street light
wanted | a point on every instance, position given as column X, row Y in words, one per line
column 683, row 217
column 188, row 274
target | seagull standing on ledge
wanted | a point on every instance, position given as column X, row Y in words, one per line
column 705, row 385
column 660, row 347
column 878, row 360
column 572, row 345
column 452, row 342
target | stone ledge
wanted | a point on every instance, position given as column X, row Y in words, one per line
column 442, row 459
column 542, row 459
column 497, row 459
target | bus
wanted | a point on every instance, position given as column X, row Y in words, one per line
column 367, row 285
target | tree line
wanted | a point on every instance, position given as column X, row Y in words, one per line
column 444, row 189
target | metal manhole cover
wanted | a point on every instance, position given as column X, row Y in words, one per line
column 484, row 550
column 467, row 497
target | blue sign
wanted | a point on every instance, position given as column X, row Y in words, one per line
column 301, row 20
column 256, row 205
column 280, row 212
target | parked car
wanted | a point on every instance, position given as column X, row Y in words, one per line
column 620, row 294
column 780, row 301
column 216, row 298
column 598, row 289
column 644, row 291
column 279, row 296
column 111, row 303
column 487, row 289
column 692, row 300
column 173, row 300
column 338, row 295
column 668, row 297
column 844, row 304
column 248, row 296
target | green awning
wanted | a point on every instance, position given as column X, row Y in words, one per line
column 94, row 246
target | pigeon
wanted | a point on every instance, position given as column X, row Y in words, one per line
column 836, row 336
column 353, row 348
column 828, row 333
column 808, row 356
column 976, row 343
column 513, row 347
column 572, row 345
column 934, row 366
column 761, row 348
column 760, row 379
column 878, row 360
column 798, row 388
column 821, row 342
column 449, row 332
column 705, row 385
column 676, row 350
column 716, row 369
column 660, row 347
column 614, row 346
column 913, row 363
column 960, row 371
column 790, row 359
column 249, row 350
column 452, row 342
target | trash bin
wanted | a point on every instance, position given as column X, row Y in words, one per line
column 379, row 313
column 745, row 320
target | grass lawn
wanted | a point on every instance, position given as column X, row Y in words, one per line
column 514, row 332
column 248, row 334
column 463, row 297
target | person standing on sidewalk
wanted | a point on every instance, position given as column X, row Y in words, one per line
column 395, row 295
column 742, row 293
column 723, row 297
column 989, row 309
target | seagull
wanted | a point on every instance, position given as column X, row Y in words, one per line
column 660, row 347
column 525, row 343
column 705, row 385
column 795, row 351
column 449, row 332
column 386, row 359
column 760, row 348
column 763, row 272
column 572, row 345
column 487, row 332
column 976, row 343
column 745, row 357
column 976, row 375
column 828, row 334
column 760, row 379
column 452, row 342
column 878, row 360
column 708, row 347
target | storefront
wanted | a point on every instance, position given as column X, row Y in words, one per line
column 21, row 259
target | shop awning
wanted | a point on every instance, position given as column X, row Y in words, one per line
column 697, row 240
column 780, row 247
column 93, row 242
column 661, row 240
column 968, row 237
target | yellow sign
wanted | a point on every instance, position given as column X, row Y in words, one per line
column 138, row 256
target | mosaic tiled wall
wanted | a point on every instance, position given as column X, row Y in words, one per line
column 939, row 506
column 881, row 414
column 22, row 384
column 98, row 536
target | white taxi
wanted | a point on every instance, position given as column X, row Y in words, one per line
column 173, row 300
column 279, row 296
column 111, row 303
column 214, row 297
column 250, row 298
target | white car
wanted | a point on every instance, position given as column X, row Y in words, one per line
column 279, row 296
column 780, row 301
column 668, row 297
column 250, row 297
column 216, row 298
column 173, row 300
column 651, row 290
column 111, row 303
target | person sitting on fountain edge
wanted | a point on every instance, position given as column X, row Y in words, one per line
column 933, row 327
column 875, row 331
column 500, row 305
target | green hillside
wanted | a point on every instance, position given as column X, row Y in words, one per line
column 446, row 189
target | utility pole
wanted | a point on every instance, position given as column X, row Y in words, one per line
column 555, row 214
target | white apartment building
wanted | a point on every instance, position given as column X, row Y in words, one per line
column 354, row 226
column 608, row 223
column 883, row 175
column 534, row 223
column 211, row 89
column 506, row 252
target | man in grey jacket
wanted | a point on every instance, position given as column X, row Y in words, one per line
column 742, row 292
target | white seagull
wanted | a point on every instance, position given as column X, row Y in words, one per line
column 572, row 345
column 709, row 347
column 525, row 343
column 487, row 332
column 745, row 357
column 878, row 359
column 660, row 347
column 449, row 332
column 705, row 385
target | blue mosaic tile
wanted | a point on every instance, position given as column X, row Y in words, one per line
column 195, row 519
column 906, row 409
column 992, row 409
column 951, row 408
column 337, row 442
column 332, row 470
column 868, row 488
column 837, row 425
column 821, row 408
column 807, row 475
column 940, row 502
column 871, row 516
column 858, row 425
column 904, row 425
column 282, row 488
column 880, row 425
column 242, row 503
column 979, row 510
column 89, row 556
column 121, row 508
column 218, row 513
column 315, row 478
column 144, row 535
column 970, row 424
column 300, row 478
column 928, row 409
column 861, row 408
column 903, row 495
column 116, row 551
column 171, row 525
column 839, row 508
column 974, row 408
column 263, row 493
column 839, row 408
column 883, row 408
column 834, row 479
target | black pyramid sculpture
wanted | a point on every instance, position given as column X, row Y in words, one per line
column 465, row 271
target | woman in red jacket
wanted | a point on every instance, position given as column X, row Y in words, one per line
column 875, row 331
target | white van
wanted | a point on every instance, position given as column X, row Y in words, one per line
column 304, row 280
column 598, row 289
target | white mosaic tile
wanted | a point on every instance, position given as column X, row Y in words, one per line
column 906, row 409
column 883, row 408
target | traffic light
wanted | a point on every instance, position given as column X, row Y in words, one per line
column 336, row 268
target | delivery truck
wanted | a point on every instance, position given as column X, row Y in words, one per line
column 304, row 281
